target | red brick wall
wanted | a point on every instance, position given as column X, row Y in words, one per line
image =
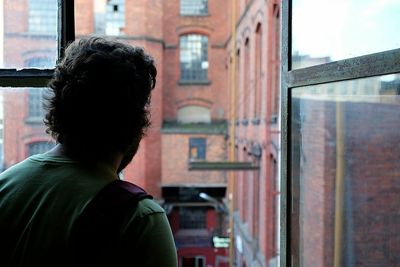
column 175, row 163
column 84, row 17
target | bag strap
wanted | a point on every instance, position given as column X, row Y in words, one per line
column 96, row 232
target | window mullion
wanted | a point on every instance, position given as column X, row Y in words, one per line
column 285, row 188
column 359, row 67
column 25, row 77
column 66, row 25
column 33, row 77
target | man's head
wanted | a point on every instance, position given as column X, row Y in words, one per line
column 100, row 96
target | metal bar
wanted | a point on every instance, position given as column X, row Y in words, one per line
column 66, row 25
column 382, row 63
column 25, row 73
column 25, row 77
column 284, row 258
column 24, row 82
column 339, row 185
column 222, row 165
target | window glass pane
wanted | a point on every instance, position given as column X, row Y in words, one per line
column 327, row 30
column 194, row 7
column 192, row 218
column 193, row 57
column 197, row 148
column 345, row 156
column 22, row 131
column 100, row 17
column 194, row 114
column 29, row 42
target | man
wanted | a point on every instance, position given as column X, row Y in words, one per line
column 98, row 112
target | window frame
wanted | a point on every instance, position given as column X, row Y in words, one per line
column 376, row 64
column 193, row 14
column 35, row 77
column 186, row 214
column 197, row 81
column 200, row 143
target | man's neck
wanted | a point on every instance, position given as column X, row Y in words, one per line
column 113, row 161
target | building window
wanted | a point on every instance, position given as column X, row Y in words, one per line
column 246, row 79
column 194, row 114
column 275, row 204
column 275, row 64
column 197, row 148
column 35, row 99
column 194, row 7
column 238, row 80
column 258, row 72
column 193, row 58
column 109, row 17
column 197, row 261
column 39, row 147
column 43, row 16
column 192, row 218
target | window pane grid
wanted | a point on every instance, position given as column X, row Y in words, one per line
column 193, row 57
column 197, row 148
column 192, row 218
column 194, row 7
column 43, row 16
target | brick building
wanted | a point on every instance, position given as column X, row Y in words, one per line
column 256, row 192
column 189, row 106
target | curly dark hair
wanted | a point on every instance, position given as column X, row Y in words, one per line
column 100, row 96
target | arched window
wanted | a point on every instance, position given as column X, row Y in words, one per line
column 194, row 58
column 258, row 72
column 275, row 64
column 194, row 114
column 246, row 79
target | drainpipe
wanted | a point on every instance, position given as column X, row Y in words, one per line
column 231, row 179
column 339, row 186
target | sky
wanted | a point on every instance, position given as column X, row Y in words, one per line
column 345, row 28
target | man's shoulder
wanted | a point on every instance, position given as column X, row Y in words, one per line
column 24, row 166
column 145, row 203
column 147, row 207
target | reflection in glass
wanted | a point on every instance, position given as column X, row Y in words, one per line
column 21, row 122
column 345, row 156
column 340, row 29
column 31, row 42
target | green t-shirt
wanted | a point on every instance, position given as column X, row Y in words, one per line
column 40, row 199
